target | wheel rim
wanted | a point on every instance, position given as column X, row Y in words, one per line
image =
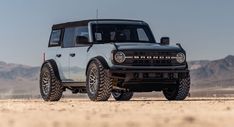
column 46, row 82
column 93, row 80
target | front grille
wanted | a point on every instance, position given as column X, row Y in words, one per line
column 150, row 58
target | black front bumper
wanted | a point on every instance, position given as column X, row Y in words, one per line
column 151, row 71
column 148, row 78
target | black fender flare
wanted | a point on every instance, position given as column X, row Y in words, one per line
column 99, row 58
column 54, row 65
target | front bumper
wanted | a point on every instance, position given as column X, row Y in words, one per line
column 144, row 79
column 151, row 71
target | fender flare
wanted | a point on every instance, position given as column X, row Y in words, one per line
column 99, row 58
column 54, row 65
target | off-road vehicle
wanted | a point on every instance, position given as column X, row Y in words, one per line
column 109, row 56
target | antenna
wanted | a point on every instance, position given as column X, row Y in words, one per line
column 96, row 27
column 97, row 14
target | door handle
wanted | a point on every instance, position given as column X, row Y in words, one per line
column 72, row 54
column 58, row 55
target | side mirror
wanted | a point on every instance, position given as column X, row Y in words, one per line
column 165, row 41
column 82, row 40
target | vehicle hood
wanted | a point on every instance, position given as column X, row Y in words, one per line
column 147, row 46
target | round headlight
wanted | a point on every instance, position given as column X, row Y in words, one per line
column 119, row 57
column 180, row 57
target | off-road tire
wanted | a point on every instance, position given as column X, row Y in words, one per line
column 123, row 96
column 103, row 87
column 180, row 92
column 55, row 88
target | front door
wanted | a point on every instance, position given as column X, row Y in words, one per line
column 78, row 58
column 78, row 55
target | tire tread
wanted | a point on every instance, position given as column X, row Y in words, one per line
column 56, row 88
column 105, row 84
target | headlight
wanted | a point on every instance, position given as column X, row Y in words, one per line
column 119, row 57
column 180, row 57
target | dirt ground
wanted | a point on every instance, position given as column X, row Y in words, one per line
column 140, row 112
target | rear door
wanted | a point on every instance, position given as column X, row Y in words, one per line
column 63, row 55
column 54, row 51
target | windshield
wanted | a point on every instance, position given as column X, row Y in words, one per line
column 121, row 33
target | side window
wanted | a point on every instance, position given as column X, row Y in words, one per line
column 68, row 39
column 81, row 35
column 142, row 35
column 55, row 39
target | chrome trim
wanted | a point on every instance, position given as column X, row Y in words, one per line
column 155, row 57
column 180, row 55
column 151, row 57
column 122, row 54
column 136, row 57
column 129, row 57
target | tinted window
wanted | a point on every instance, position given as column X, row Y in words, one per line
column 55, row 38
column 82, row 33
column 71, row 34
column 122, row 33
column 68, row 39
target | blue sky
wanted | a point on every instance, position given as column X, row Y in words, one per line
column 205, row 28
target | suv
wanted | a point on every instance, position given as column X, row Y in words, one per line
column 109, row 56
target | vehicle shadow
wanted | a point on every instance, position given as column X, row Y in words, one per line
column 187, row 100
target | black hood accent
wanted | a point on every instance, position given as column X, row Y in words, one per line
column 147, row 46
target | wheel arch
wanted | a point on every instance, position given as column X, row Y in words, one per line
column 54, row 65
column 99, row 58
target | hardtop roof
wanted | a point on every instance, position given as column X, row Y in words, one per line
column 85, row 22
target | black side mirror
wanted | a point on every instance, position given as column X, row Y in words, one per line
column 82, row 40
column 165, row 41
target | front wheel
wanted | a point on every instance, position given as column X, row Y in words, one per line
column 122, row 96
column 180, row 92
column 98, row 84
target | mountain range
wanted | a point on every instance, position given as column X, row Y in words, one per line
column 210, row 74
column 16, row 79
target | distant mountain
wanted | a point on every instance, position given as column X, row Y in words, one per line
column 16, row 71
column 217, row 73
column 18, row 79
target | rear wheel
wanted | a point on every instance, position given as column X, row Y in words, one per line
column 180, row 92
column 99, row 84
column 122, row 96
column 50, row 86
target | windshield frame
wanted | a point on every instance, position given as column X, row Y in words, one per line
column 146, row 28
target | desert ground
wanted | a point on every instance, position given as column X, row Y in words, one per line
column 140, row 112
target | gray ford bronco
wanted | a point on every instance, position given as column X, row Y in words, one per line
column 109, row 56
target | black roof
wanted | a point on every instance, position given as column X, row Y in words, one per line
column 85, row 22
